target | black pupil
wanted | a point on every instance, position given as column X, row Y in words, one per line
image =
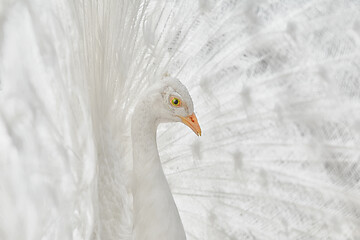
column 175, row 101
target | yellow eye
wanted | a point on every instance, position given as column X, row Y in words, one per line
column 175, row 101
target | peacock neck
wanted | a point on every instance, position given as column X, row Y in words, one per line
column 145, row 153
column 155, row 213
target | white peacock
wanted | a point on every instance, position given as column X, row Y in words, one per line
column 276, row 88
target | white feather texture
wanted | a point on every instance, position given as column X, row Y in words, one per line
column 275, row 86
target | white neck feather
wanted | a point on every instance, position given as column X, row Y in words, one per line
column 155, row 213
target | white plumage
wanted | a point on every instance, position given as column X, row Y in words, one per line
column 276, row 89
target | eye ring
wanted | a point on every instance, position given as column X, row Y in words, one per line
column 176, row 102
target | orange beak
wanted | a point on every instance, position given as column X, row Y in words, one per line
column 192, row 122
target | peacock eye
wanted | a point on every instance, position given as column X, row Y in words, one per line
column 175, row 101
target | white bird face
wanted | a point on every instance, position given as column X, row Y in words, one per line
column 177, row 105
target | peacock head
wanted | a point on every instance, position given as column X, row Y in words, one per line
column 175, row 104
